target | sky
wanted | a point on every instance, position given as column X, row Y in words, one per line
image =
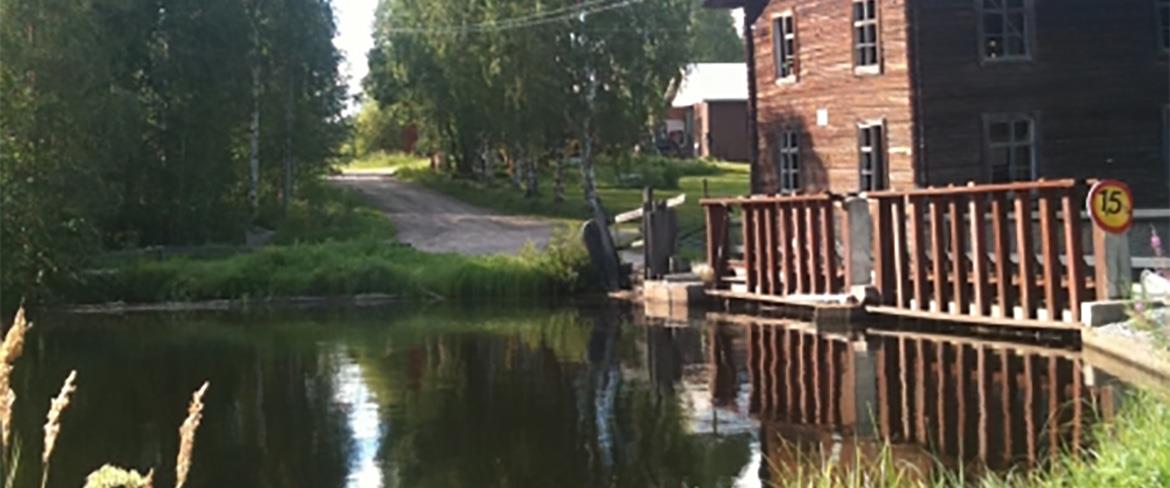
column 355, row 27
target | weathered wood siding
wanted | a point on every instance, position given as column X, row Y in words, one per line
column 826, row 80
column 1097, row 85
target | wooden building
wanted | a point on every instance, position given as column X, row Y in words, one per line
column 853, row 95
column 708, row 114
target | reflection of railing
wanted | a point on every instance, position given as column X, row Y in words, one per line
column 997, row 404
column 994, row 404
column 788, row 244
column 800, row 376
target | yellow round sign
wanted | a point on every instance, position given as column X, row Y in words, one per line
column 1110, row 205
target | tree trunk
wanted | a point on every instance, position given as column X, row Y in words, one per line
column 514, row 161
column 254, row 153
column 530, row 187
column 559, row 180
column 287, row 193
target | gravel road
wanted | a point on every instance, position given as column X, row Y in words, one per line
column 433, row 222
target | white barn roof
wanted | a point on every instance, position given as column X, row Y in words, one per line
column 706, row 82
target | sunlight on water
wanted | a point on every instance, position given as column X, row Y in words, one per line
column 749, row 476
column 365, row 424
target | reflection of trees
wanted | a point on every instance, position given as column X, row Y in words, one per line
column 517, row 407
column 467, row 398
column 268, row 419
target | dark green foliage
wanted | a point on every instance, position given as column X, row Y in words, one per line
column 715, row 39
column 627, row 171
column 375, row 130
column 325, row 213
column 521, row 92
column 124, row 123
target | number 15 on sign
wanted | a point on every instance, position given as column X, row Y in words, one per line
column 1110, row 205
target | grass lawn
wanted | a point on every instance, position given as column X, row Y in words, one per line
column 723, row 179
column 383, row 163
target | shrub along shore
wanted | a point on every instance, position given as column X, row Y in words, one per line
column 332, row 245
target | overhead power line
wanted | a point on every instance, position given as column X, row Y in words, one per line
column 524, row 21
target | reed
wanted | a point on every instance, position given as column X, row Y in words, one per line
column 11, row 350
column 53, row 423
column 187, row 435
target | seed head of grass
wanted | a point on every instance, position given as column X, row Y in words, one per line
column 11, row 349
column 14, row 339
column 187, row 435
column 110, row 476
column 53, row 419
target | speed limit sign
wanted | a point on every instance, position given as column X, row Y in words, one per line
column 1110, row 205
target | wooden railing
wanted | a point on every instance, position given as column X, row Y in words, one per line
column 980, row 251
column 788, row 245
column 984, row 253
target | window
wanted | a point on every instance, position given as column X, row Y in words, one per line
column 872, row 157
column 865, row 35
column 784, row 46
column 1011, row 148
column 1005, row 29
column 788, row 161
column 1164, row 24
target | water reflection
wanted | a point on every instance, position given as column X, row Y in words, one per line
column 584, row 397
column 967, row 403
column 365, row 424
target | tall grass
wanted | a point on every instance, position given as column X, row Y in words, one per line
column 108, row 476
column 325, row 213
column 343, row 269
column 1134, row 451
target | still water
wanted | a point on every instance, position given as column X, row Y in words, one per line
column 579, row 396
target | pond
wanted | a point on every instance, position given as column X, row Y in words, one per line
column 577, row 396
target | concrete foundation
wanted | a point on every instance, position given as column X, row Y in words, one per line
column 672, row 298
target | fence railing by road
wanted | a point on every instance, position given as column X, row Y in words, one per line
column 788, row 244
column 1002, row 251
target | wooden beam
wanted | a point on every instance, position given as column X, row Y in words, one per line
column 638, row 213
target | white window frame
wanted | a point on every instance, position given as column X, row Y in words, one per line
column 989, row 147
column 879, row 157
column 856, row 44
column 1027, row 10
column 787, row 154
column 780, row 54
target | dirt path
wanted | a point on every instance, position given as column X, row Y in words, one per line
column 433, row 222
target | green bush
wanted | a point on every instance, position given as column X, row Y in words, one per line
column 343, row 268
column 640, row 171
column 326, row 213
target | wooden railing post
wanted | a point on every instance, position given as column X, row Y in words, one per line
column 1074, row 251
column 1112, row 262
column 883, row 232
column 717, row 253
